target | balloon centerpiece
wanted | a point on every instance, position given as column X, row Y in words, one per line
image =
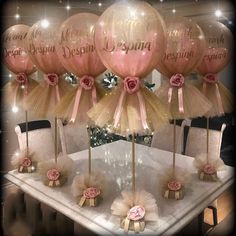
column 216, row 56
column 185, row 48
column 76, row 51
column 17, row 60
column 130, row 40
column 41, row 40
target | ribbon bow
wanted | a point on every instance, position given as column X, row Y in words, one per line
column 22, row 80
column 131, row 86
column 86, row 83
column 52, row 80
column 213, row 79
column 177, row 81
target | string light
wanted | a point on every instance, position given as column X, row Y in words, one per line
column 173, row 10
column 17, row 16
column 45, row 23
column 218, row 13
column 68, row 7
column 99, row 4
column 15, row 109
column 10, row 75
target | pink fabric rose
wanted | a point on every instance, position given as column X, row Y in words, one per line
column 21, row 78
column 131, row 84
column 91, row 192
column 53, row 174
column 87, row 82
column 136, row 213
column 174, row 185
column 210, row 78
column 209, row 169
column 26, row 162
column 177, row 80
column 52, row 79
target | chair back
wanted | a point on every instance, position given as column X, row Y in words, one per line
column 39, row 136
column 197, row 141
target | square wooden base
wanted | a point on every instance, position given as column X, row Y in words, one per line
column 169, row 194
column 206, row 177
column 136, row 226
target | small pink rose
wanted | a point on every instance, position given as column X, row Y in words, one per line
column 210, row 78
column 52, row 79
column 87, row 82
column 177, row 80
column 91, row 192
column 174, row 185
column 209, row 169
column 136, row 213
column 131, row 84
column 53, row 174
column 21, row 78
column 26, row 162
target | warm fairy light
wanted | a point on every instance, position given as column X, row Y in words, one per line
column 218, row 13
column 99, row 4
column 68, row 7
column 173, row 10
column 45, row 23
column 15, row 109
column 10, row 75
column 17, row 153
column 17, row 16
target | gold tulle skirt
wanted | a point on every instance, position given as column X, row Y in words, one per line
column 43, row 99
column 130, row 120
column 226, row 98
column 15, row 94
column 195, row 104
column 64, row 109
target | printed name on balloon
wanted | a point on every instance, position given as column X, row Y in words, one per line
column 178, row 55
column 217, row 40
column 42, row 50
column 73, row 34
column 13, row 36
column 180, row 33
column 215, row 56
column 46, row 34
column 13, row 53
column 70, row 52
column 126, row 46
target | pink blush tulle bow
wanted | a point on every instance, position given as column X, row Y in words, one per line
column 86, row 83
column 213, row 79
column 52, row 80
column 177, row 81
column 131, row 86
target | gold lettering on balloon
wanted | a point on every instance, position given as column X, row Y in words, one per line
column 13, row 52
column 14, row 36
column 215, row 56
column 70, row 52
column 217, row 40
column 111, row 46
column 178, row 55
column 42, row 50
column 74, row 34
column 187, row 32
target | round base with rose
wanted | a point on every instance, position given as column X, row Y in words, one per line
column 55, row 178
column 26, row 165
column 174, row 189
column 208, row 172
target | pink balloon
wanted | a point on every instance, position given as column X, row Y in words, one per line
column 75, row 47
column 41, row 41
column 130, row 38
column 15, row 55
column 218, row 52
column 184, row 49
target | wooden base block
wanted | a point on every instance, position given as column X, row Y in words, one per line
column 206, row 177
column 178, row 195
column 130, row 225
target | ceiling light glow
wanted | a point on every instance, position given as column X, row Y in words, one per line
column 218, row 13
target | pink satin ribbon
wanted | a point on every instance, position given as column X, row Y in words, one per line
column 213, row 79
column 86, row 83
column 21, row 79
column 177, row 81
column 131, row 86
column 52, row 80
